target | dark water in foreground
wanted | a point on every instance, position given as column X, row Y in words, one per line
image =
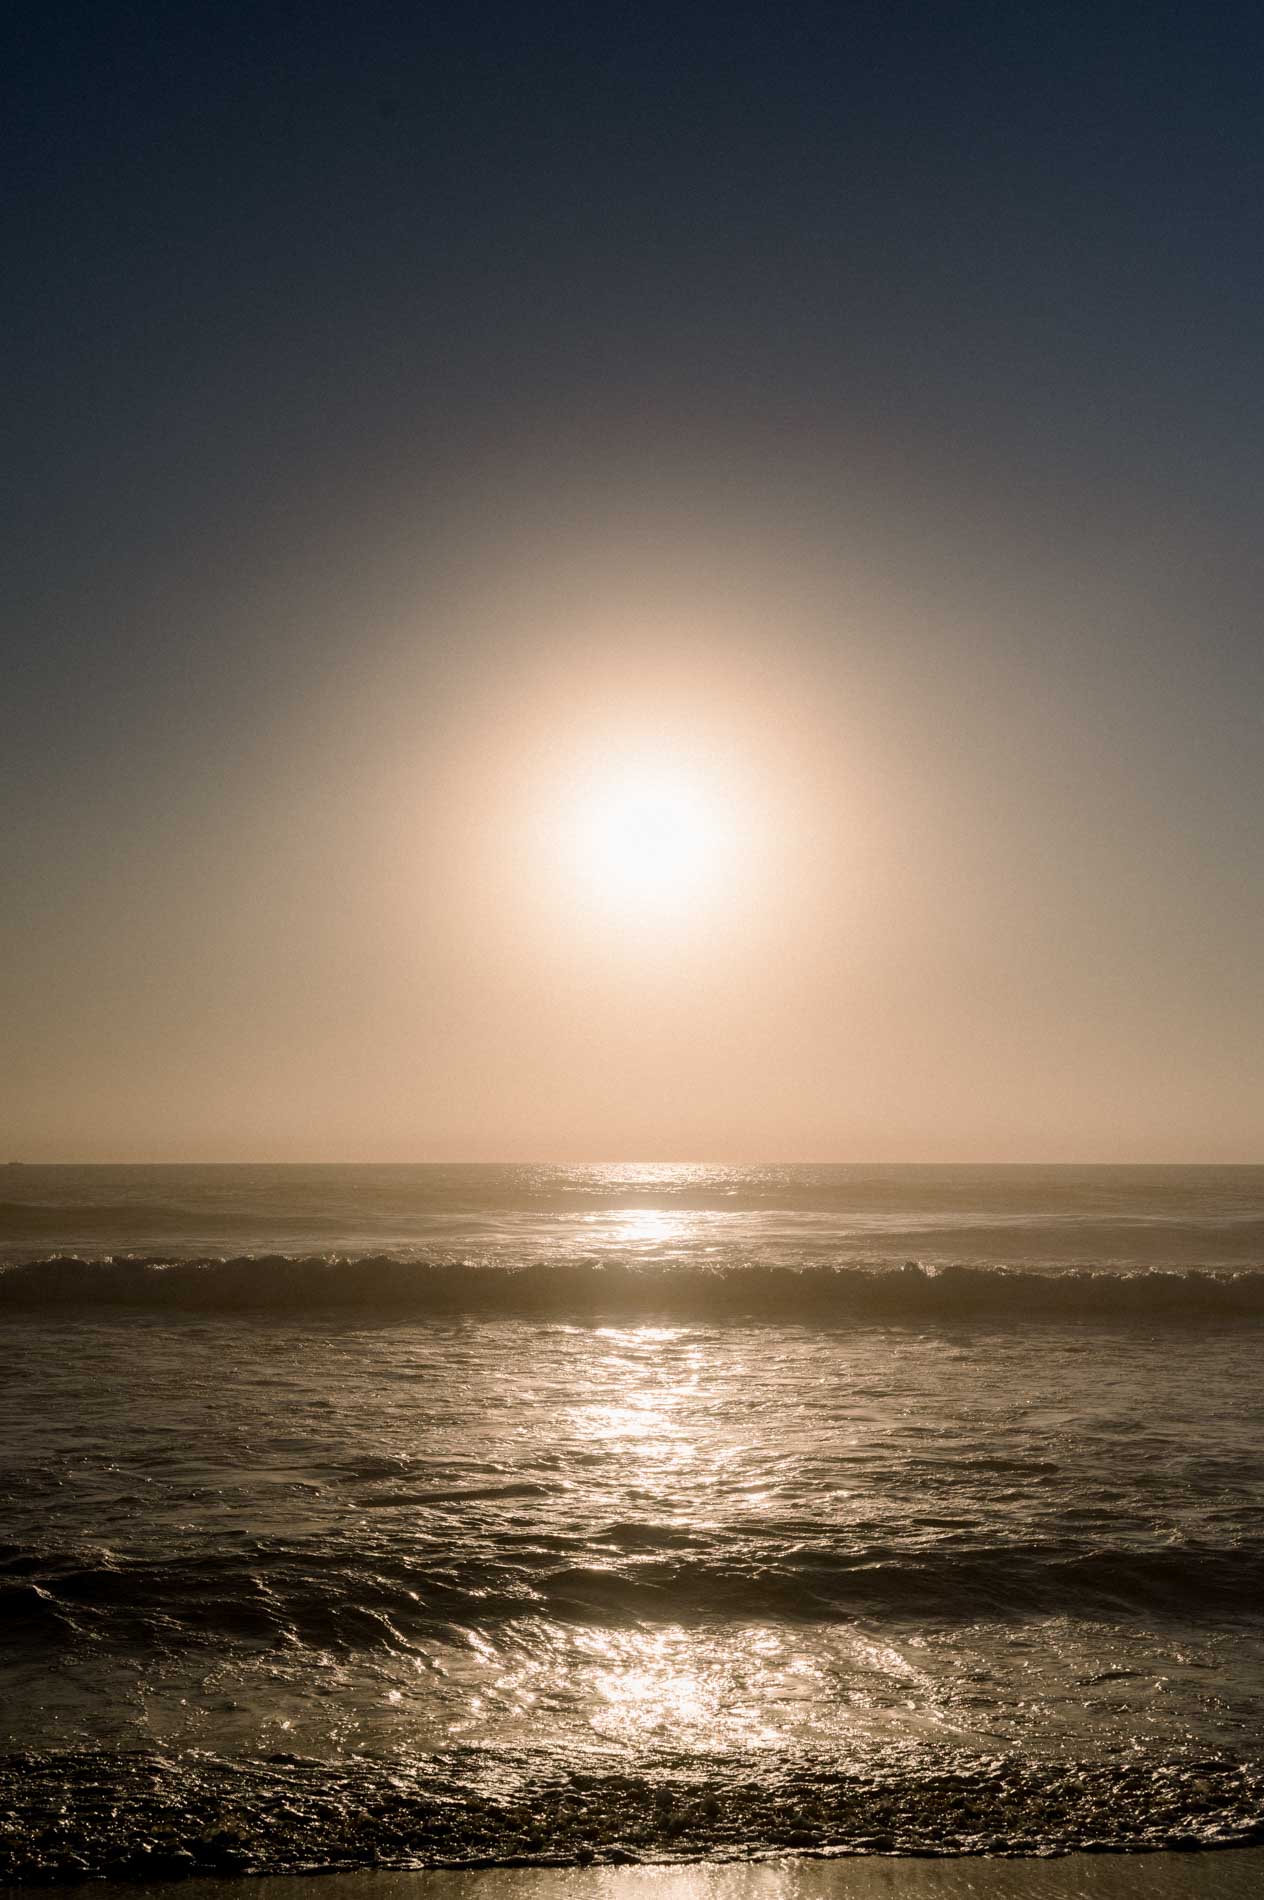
column 453, row 1515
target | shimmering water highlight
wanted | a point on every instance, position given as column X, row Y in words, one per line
column 963, row 1558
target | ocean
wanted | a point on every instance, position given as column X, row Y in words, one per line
column 464, row 1516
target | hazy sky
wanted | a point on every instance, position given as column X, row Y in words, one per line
column 663, row 582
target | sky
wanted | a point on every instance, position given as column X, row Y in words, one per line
column 661, row 582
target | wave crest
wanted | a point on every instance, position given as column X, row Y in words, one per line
column 614, row 1290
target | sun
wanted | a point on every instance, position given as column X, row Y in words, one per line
column 651, row 837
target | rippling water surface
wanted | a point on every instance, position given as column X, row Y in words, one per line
column 450, row 1515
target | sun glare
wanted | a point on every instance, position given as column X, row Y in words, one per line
column 652, row 838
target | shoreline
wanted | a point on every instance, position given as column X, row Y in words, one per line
column 1235, row 1873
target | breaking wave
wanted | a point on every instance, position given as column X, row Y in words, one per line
column 144, row 1815
column 616, row 1290
column 324, row 1595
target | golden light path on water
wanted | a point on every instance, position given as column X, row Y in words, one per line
column 639, row 1227
column 662, row 1683
column 709, row 1687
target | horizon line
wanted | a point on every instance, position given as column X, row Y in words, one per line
column 628, row 1161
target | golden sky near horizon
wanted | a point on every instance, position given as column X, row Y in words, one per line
column 674, row 843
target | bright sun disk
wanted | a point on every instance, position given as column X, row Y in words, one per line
column 652, row 838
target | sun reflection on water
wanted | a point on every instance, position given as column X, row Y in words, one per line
column 652, row 1414
column 673, row 1685
column 646, row 1232
column 645, row 1378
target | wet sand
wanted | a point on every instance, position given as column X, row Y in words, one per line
column 1236, row 1874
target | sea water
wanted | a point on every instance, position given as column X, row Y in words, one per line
column 437, row 1515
